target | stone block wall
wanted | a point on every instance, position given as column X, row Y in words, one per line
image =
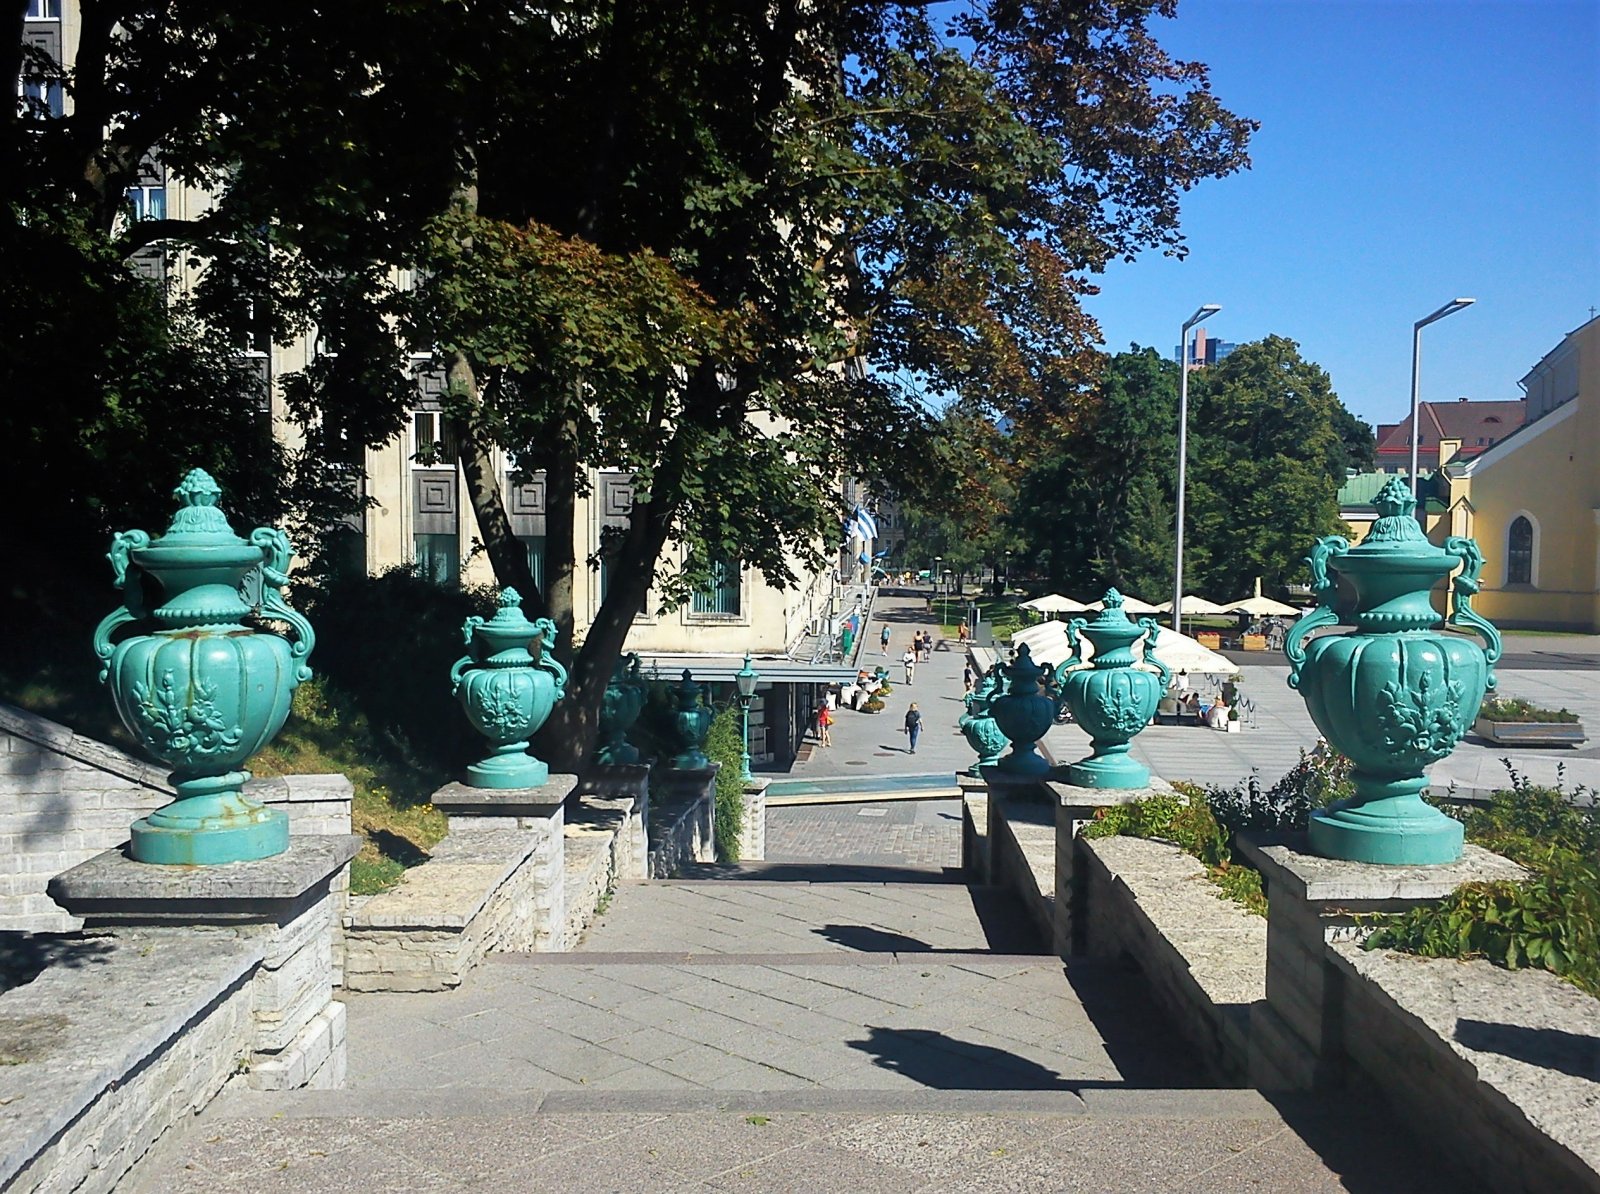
column 753, row 832
column 63, row 799
column 481, row 890
column 682, row 824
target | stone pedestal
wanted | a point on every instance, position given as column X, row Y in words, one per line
column 286, row 902
column 975, row 853
column 505, row 808
column 753, row 831
column 1297, row 1034
column 1074, row 806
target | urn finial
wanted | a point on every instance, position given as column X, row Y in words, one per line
column 197, row 512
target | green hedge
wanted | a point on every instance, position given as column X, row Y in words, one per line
column 725, row 745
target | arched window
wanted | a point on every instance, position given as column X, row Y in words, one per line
column 1519, row 552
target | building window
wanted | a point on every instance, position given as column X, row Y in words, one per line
column 438, row 558
column 1519, row 552
column 44, row 10
column 721, row 594
column 433, row 441
column 535, row 548
column 148, row 203
column 46, row 95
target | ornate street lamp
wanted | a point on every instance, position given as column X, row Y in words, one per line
column 745, row 678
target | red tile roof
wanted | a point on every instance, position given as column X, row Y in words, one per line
column 1469, row 422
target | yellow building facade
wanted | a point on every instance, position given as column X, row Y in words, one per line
column 1532, row 501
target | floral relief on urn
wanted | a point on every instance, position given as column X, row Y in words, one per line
column 1397, row 693
column 507, row 684
column 209, row 681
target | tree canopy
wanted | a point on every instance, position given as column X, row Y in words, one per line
column 726, row 247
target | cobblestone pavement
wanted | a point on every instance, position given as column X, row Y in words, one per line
column 908, row 833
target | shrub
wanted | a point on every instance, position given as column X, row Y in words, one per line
column 725, row 745
column 1518, row 709
column 872, row 705
column 1318, row 779
column 1551, row 922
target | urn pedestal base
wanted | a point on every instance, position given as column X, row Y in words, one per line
column 209, row 829
column 1116, row 770
column 1394, row 830
column 1024, row 762
column 510, row 766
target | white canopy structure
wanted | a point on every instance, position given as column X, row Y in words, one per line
column 1260, row 607
column 1047, row 644
column 1054, row 603
column 1132, row 605
column 1193, row 605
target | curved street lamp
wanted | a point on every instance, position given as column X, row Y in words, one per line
column 1199, row 317
column 1449, row 308
column 745, row 681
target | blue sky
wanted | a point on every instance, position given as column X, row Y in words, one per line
column 1410, row 152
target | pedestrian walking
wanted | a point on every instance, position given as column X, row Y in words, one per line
column 825, row 724
column 883, row 642
column 913, row 726
column 963, row 631
column 967, row 676
column 909, row 662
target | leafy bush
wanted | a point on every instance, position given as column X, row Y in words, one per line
column 1552, row 921
column 1318, row 779
column 1187, row 822
column 1519, row 709
column 872, row 705
column 725, row 745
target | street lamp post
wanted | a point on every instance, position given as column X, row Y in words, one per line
column 1449, row 308
column 745, row 680
column 1199, row 317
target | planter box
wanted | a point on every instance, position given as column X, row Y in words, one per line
column 1209, row 639
column 1255, row 642
column 1531, row 733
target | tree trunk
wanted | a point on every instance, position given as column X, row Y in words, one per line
column 506, row 553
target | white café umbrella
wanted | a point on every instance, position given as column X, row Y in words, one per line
column 1132, row 605
column 1055, row 603
column 1047, row 644
column 1261, row 607
column 1193, row 605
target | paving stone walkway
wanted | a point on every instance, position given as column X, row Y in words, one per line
column 809, row 1032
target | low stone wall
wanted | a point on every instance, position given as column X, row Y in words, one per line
column 605, row 847
column 1502, row 1068
column 63, row 799
column 1022, row 851
column 682, row 823
column 96, row 1073
column 481, row 890
column 1203, row 957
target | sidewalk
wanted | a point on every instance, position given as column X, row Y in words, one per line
column 872, row 747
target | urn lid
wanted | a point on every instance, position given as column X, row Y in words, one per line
column 1112, row 628
column 1022, row 673
column 688, row 692
column 1396, row 542
column 509, row 627
column 199, row 525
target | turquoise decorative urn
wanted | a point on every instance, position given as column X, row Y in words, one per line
column 507, row 691
column 620, row 707
column 1024, row 715
column 1112, row 696
column 693, row 722
column 1398, row 693
column 209, row 684
column 979, row 727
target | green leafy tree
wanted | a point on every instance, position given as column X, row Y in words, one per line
column 1095, row 504
column 1269, row 456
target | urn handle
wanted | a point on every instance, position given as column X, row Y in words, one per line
column 546, row 661
column 456, row 670
column 1151, row 630
column 275, row 556
column 1325, row 587
column 123, row 545
column 1462, row 590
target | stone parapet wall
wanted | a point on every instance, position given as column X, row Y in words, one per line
column 63, row 799
column 682, row 823
column 106, row 1069
column 482, row 890
column 1202, row 956
column 1502, row 1068
column 1022, row 857
column 753, row 830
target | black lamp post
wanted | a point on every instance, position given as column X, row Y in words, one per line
column 745, row 678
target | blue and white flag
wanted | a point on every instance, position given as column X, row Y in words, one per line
column 861, row 525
